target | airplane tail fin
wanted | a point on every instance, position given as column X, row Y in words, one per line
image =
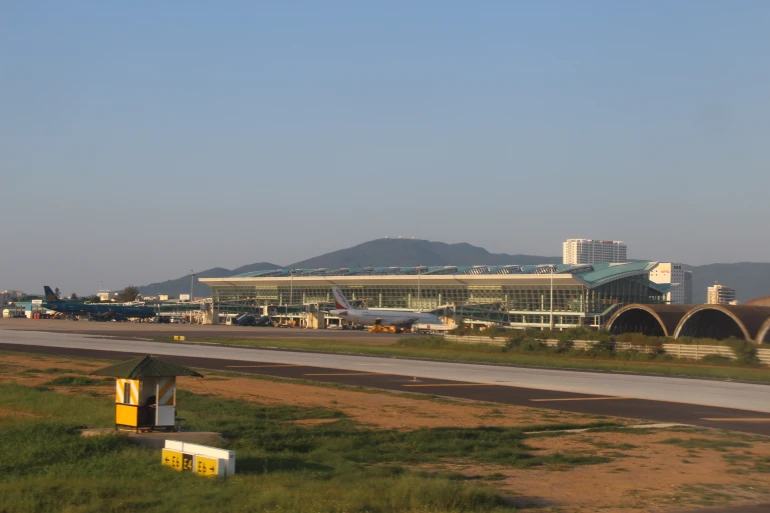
column 339, row 299
column 50, row 296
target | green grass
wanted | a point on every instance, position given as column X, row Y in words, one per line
column 762, row 465
column 436, row 348
column 55, row 370
column 704, row 443
column 45, row 465
column 78, row 381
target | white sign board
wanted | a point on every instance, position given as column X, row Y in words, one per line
column 206, row 461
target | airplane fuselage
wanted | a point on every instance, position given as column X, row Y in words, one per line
column 111, row 311
column 385, row 317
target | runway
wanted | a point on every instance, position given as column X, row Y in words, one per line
column 151, row 330
column 720, row 404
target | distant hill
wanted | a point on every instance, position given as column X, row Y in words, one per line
column 182, row 285
column 749, row 279
column 378, row 253
column 409, row 252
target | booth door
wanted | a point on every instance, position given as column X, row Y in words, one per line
column 164, row 416
column 165, row 393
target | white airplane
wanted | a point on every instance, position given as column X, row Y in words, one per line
column 382, row 317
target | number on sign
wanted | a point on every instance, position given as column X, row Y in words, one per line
column 187, row 462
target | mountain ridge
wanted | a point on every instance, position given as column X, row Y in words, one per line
column 750, row 279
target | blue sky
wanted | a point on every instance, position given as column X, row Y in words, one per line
column 139, row 140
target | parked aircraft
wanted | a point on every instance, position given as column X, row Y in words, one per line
column 105, row 312
column 400, row 319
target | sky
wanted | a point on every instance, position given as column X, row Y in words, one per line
column 139, row 140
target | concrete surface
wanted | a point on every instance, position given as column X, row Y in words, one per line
column 744, row 396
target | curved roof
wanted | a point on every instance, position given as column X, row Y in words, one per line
column 592, row 275
column 761, row 301
column 667, row 317
column 749, row 319
column 603, row 273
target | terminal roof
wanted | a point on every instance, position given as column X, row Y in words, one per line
column 591, row 274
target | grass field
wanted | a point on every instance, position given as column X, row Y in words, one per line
column 435, row 348
column 339, row 466
column 338, row 449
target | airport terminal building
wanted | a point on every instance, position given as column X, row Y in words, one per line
column 514, row 295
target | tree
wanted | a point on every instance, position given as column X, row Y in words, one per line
column 129, row 294
column 74, row 296
column 56, row 291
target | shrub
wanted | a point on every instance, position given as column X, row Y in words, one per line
column 526, row 345
column 582, row 333
column 716, row 359
column 745, row 352
column 639, row 339
column 601, row 349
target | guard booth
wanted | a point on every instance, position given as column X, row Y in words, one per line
column 145, row 392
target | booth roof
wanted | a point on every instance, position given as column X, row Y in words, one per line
column 145, row 367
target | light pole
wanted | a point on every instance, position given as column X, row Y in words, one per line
column 551, row 301
column 291, row 287
column 419, row 303
column 192, row 283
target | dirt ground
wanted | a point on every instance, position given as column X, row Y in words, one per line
column 699, row 468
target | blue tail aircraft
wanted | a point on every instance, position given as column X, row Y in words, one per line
column 100, row 312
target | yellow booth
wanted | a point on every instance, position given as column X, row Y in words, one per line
column 145, row 392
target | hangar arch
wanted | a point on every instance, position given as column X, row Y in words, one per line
column 653, row 320
column 712, row 321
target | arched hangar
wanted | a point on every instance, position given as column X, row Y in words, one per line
column 725, row 321
column 653, row 320
column 698, row 321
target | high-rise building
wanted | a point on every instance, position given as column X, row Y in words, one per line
column 720, row 295
column 680, row 280
column 688, row 287
column 590, row 251
column 8, row 296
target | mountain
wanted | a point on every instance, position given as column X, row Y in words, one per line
column 409, row 252
column 182, row 285
column 377, row 253
column 749, row 279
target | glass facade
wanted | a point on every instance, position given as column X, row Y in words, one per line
column 521, row 303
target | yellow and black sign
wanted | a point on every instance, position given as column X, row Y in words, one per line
column 177, row 460
column 206, row 466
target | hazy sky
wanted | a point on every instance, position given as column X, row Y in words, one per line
column 139, row 140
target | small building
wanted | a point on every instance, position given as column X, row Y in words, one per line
column 145, row 392
column 674, row 273
column 721, row 295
